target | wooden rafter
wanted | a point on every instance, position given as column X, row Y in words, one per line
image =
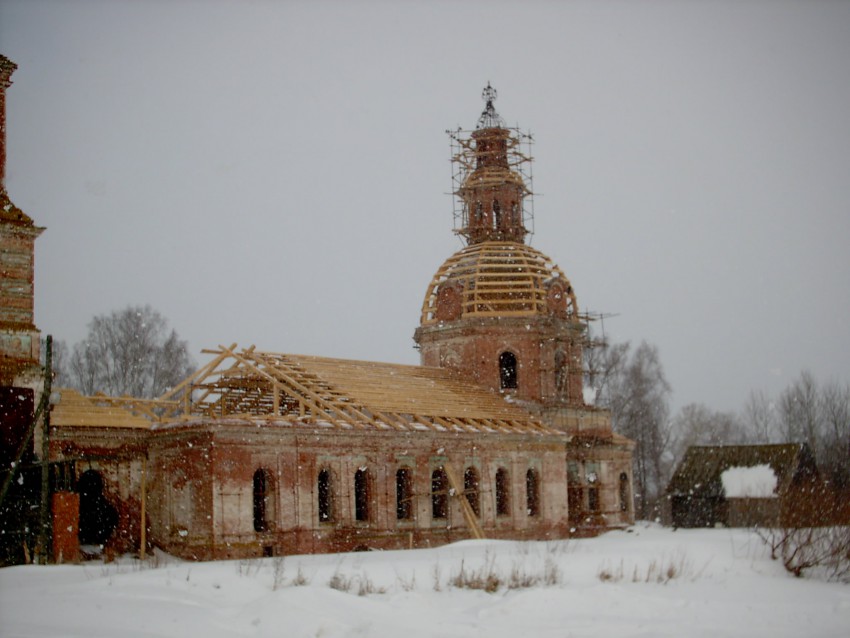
column 354, row 394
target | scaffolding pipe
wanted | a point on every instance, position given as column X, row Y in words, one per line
column 143, row 534
column 44, row 514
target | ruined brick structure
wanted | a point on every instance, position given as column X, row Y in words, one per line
column 19, row 338
column 262, row 453
column 20, row 373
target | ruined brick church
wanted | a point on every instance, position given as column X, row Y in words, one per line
column 263, row 453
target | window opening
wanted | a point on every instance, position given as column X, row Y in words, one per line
column 262, row 494
column 624, row 492
column 325, row 497
column 532, row 493
column 470, row 489
column 439, row 494
column 593, row 499
column 502, row 492
column 591, row 475
column 361, row 495
column 403, row 494
column 497, row 214
column 507, row 370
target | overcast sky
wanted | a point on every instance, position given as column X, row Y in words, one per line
column 275, row 173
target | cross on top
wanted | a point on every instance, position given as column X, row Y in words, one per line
column 489, row 94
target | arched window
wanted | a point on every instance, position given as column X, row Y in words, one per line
column 404, row 494
column 503, row 488
column 591, row 475
column 575, row 491
column 470, row 489
column 263, row 501
column 507, row 371
column 497, row 214
column 593, row 499
column 624, row 492
column 439, row 494
column 361, row 495
column 325, row 490
column 532, row 493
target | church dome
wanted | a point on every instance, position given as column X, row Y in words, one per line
column 498, row 279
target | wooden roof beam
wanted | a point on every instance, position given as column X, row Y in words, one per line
column 312, row 399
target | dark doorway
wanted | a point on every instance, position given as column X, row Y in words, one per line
column 98, row 517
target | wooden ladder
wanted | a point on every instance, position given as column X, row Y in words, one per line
column 468, row 514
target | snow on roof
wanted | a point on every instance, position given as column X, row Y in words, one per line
column 758, row 481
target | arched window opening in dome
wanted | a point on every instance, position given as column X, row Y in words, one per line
column 532, row 492
column 439, row 494
column 470, row 489
column 263, row 500
column 361, row 495
column 503, row 487
column 325, row 490
column 561, row 372
column 507, row 371
column 404, row 494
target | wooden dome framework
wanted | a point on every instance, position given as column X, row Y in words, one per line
column 501, row 279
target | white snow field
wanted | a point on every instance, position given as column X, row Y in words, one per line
column 714, row 582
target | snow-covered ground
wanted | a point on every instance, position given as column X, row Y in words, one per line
column 713, row 583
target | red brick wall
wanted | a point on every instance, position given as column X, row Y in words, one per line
column 16, row 277
column 66, row 527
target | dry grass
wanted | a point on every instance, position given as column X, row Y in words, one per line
column 657, row 571
column 490, row 579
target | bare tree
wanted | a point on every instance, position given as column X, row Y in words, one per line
column 835, row 434
column 799, row 411
column 697, row 424
column 759, row 418
column 604, row 364
column 636, row 391
column 129, row 352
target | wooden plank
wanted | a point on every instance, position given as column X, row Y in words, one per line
column 466, row 508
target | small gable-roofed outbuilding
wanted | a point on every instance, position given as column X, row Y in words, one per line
column 696, row 490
